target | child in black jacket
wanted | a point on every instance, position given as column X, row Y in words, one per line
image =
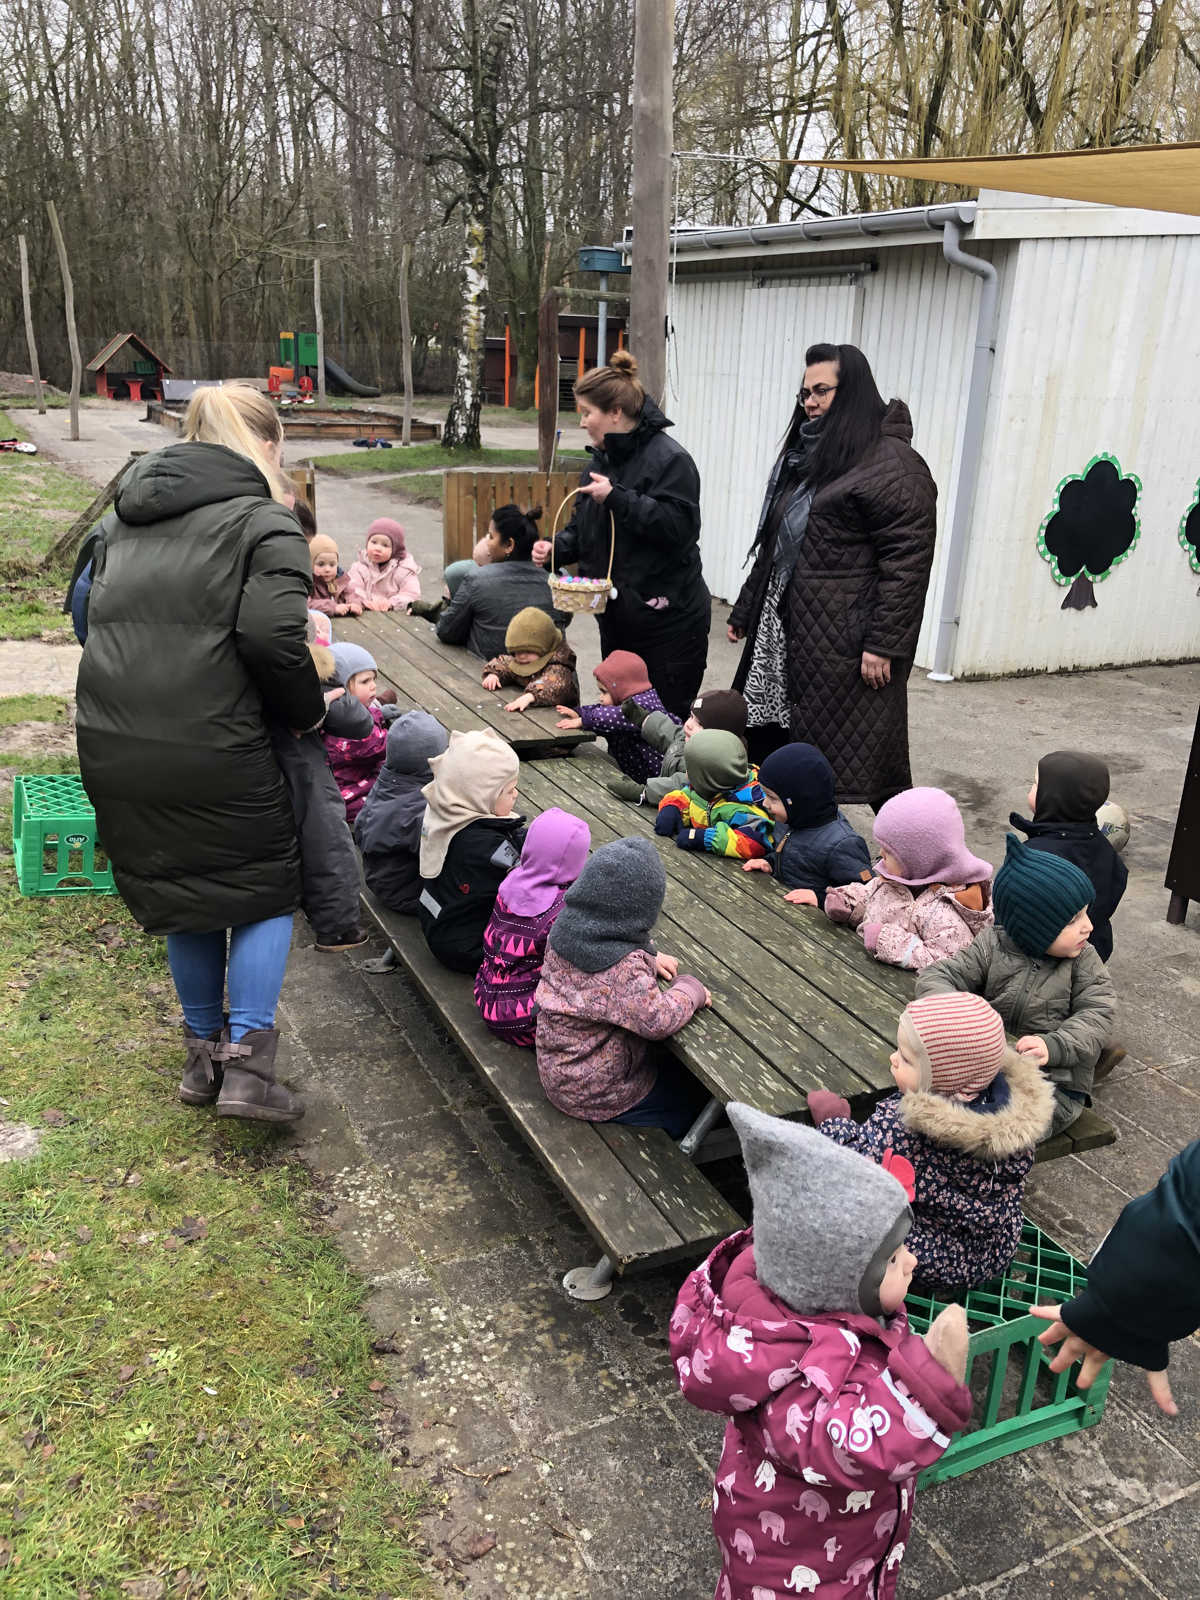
column 1069, row 789
column 470, row 842
column 388, row 829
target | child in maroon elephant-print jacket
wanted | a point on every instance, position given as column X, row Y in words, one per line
column 796, row 1331
column 356, row 763
column 960, row 1135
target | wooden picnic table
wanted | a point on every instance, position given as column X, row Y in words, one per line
column 444, row 679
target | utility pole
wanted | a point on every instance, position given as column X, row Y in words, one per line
column 30, row 340
column 72, row 332
column 653, row 51
column 320, row 328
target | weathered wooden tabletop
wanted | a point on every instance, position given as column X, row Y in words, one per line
column 798, row 1003
column 444, row 679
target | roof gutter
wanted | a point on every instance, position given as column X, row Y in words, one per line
column 815, row 230
column 971, row 451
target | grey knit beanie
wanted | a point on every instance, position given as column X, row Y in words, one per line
column 611, row 907
column 412, row 739
column 823, row 1215
column 349, row 659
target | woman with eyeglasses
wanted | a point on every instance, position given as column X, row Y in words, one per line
column 832, row 607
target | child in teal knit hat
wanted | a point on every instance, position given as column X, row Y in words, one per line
column 1038, row 970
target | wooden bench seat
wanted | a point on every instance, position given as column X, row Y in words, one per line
column 640, row 1197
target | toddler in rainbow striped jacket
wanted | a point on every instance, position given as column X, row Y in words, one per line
column 959, row 1133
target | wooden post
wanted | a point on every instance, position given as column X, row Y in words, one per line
column 548, row 388
column 583, row 352
column 320, row 329
column 507, row 366
column 60, row 245
column 29, row 336
column 406, row 338
column 653, row 44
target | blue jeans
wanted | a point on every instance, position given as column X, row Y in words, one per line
column 253, row 963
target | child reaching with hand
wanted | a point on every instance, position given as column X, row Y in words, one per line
column 722, row 809
column 384, row 577
column 538, row 660
column 622, row 676
column 388, row 829
column 714, row 708
column 796, row 1331
column 929, row 897
column 330, row 587
column 820, row 847
column 356, row 761
column 527, row 904
column 599, row 1004
column 1069, row 789
column 470, row 841
column 960, row 1133
column 1040, row 973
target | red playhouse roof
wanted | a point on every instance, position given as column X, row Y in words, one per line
column 116, row 344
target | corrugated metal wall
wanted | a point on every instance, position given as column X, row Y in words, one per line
column 1099, row 351
column 734, row 364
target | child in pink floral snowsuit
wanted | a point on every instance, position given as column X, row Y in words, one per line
column 356, row 763
column 796, row 1331
column 929, row 897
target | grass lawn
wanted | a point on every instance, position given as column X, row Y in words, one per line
column 421, row 457
column 31, row 708
column 37, row 501
column 422, row 488
column 188, row 1393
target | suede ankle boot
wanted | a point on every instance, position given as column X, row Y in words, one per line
column 201, row 1081
column 249, row 1089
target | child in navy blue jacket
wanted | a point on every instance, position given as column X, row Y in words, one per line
column 960, row 1135
column 821, row 848
column 1069, row 789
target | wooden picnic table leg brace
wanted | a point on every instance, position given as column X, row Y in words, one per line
column 593, row 1283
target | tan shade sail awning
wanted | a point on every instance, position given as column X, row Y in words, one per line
column 1152, row 177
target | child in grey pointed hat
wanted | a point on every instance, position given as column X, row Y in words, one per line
column 796, row 1331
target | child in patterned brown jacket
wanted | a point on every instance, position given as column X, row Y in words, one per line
column 599, row 1004
column 538, row 660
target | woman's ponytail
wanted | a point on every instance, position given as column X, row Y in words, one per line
column 241, row 419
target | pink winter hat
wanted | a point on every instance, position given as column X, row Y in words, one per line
column 390, row 529
column 956, row 1039
column 923, row 829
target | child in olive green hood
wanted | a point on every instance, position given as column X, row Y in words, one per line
column 722, row 808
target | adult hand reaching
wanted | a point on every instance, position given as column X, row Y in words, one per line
column 734, row 635
column 876, row 670
column 540, row 553
column 1073, row 1348
column 597, row 488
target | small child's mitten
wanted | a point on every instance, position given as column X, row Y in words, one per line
column 386, row 697
column 667, row 822
column 947, row 1341
column 633, row 712
column 390, row 713
column 823, row 1104
column 691, row 839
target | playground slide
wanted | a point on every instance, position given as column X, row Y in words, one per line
column 341, row 379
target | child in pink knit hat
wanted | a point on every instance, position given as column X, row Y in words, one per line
column 929, row 896
column 384, row 577
column 960, row 1134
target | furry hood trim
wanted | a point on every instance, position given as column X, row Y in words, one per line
column 989, row 1136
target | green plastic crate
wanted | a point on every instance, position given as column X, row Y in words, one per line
column 1019, row 1402
column 54, row 838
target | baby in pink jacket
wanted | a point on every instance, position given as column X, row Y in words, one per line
column 929, row 897
column 796, row 1331
column 384, row 577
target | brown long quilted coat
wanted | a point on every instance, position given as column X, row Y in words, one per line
column 858, row 584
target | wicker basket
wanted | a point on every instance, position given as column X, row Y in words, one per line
column 582, row 594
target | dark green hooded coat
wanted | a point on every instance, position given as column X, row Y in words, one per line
column 196, row 636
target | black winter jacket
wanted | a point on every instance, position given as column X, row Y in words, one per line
column 1086, row 846
column 1143, row 1288
column 196, row 627
column 655, row 506
column 456, row 906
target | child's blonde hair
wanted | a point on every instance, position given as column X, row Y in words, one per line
column 241, row 419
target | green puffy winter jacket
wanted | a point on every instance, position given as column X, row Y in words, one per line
column 1070, row 1004
column 196, row 634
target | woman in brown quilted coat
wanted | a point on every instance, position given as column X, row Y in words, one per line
column 832, row 607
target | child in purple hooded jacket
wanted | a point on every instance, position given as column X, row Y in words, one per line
column 796, row 1331
column 527, row 902
column 622, row 675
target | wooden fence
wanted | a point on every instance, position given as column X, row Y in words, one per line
column 470, row 497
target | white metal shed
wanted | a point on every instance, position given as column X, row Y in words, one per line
column 1063, row 333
